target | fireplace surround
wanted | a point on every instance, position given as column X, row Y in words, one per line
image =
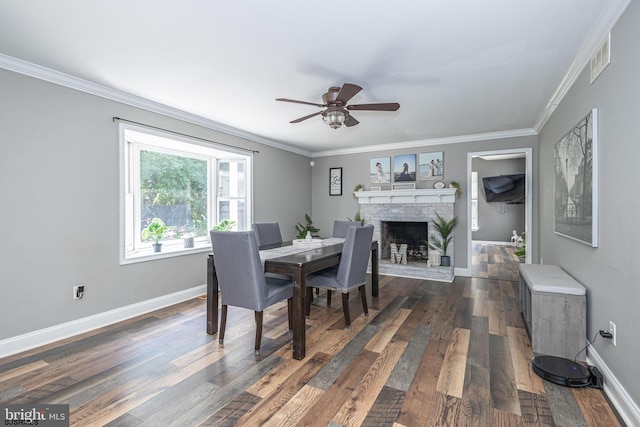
column 409, row 206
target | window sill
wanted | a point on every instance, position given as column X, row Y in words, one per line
column 170, row 251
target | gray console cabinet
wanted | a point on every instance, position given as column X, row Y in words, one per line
column 554, row 308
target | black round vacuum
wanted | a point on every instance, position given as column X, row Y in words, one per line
column 562, row 371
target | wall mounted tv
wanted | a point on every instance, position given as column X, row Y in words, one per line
column 505, row 188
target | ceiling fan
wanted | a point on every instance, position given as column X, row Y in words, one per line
column 335, row 101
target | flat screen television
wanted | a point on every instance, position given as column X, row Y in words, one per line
column 505, row 188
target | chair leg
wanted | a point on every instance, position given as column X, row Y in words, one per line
column 345, row 309
column 363, row 296
column 328, row 298
column 307, row 302
column 259, row 316
column 223, row 323
column 290, row 313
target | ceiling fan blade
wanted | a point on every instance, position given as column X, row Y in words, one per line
column 347, row 92
column 389, row 106
column 306, row 117
column 300, row 102
column 350, row 121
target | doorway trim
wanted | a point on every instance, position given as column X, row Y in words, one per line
column 528, row 220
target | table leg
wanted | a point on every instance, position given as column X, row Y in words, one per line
column 299, row 321
column 212, row 297
column 374, row 270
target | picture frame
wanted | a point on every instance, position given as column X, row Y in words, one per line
column 404, row 168
column 575, row 184
column 431, row 166
column 335, row 181
column 380, row 170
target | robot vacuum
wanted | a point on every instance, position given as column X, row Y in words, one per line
column 566, row 372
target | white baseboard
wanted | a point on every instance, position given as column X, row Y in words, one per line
column 489, row 242
column 464, row 272
column 624, row 404
column 40, row 337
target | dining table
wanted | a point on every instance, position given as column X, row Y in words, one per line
column 296, row 261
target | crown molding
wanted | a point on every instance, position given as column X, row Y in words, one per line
column 72, row 82
column 607, row 19
column 426, row 142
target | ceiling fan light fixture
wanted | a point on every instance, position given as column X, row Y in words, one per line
column 334, row 117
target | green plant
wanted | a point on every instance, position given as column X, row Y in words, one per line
column 156, row 230
column 456, row 185
column 224, row 225
column 444, row 229
column 521, row 252
column 358, row 187
column 302, row 229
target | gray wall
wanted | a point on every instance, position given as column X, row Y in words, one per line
column 59, row 186
column 355, row 170
column 496, row 221
column 610, row 272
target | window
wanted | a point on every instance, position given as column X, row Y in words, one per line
column 188, row 184
column 474, row 201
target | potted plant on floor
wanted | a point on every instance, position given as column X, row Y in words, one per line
column 441, row 242
column 156, row 230
column 224, row 225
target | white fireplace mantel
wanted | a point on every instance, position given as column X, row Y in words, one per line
column 425, row 195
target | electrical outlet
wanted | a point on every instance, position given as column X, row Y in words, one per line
column 612, row 329
column 78, row 292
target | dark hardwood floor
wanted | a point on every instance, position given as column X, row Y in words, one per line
column 428, row 354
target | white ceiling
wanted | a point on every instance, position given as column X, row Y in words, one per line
column 457, row 68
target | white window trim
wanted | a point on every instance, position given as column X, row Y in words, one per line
column 128, row 206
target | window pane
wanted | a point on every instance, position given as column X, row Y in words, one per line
column 174, row 189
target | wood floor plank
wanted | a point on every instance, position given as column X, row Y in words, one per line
column 385, row 409
column 451, row 378
column 233, row 411
column 563, row 404
column 405, row 370
column 268, row 406
column 521, row 356
column 595, row 410
column 354, row 410
column 497, row 321
column 504, row 394
column 481, row 304
column 296, row 408
column 535, row 409
column 420, row 396
column 384, row 335
column 330, row 402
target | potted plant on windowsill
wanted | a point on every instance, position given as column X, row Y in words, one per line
column 156, row 230
column 441, row 242
column 224, row 225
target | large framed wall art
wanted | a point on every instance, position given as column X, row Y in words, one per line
column 575, row 183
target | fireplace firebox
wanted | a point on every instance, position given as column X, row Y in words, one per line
column 413, row 234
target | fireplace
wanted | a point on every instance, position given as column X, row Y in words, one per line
column 415, row 210
column 410, row 233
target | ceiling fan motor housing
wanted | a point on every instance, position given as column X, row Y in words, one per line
column 331, row 95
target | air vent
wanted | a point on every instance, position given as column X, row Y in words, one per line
column 600, row 59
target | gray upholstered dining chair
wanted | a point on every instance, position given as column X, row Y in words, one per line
column 268, row 233
column 340, row 227
column 242, row 280
column 350, row 273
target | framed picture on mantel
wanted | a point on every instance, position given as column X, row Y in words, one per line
column 335, row 181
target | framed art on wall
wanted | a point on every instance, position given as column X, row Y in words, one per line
column 431, row 166
column 335, row 181
column 575, row 185
column 380, row 170
column 404, row 168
